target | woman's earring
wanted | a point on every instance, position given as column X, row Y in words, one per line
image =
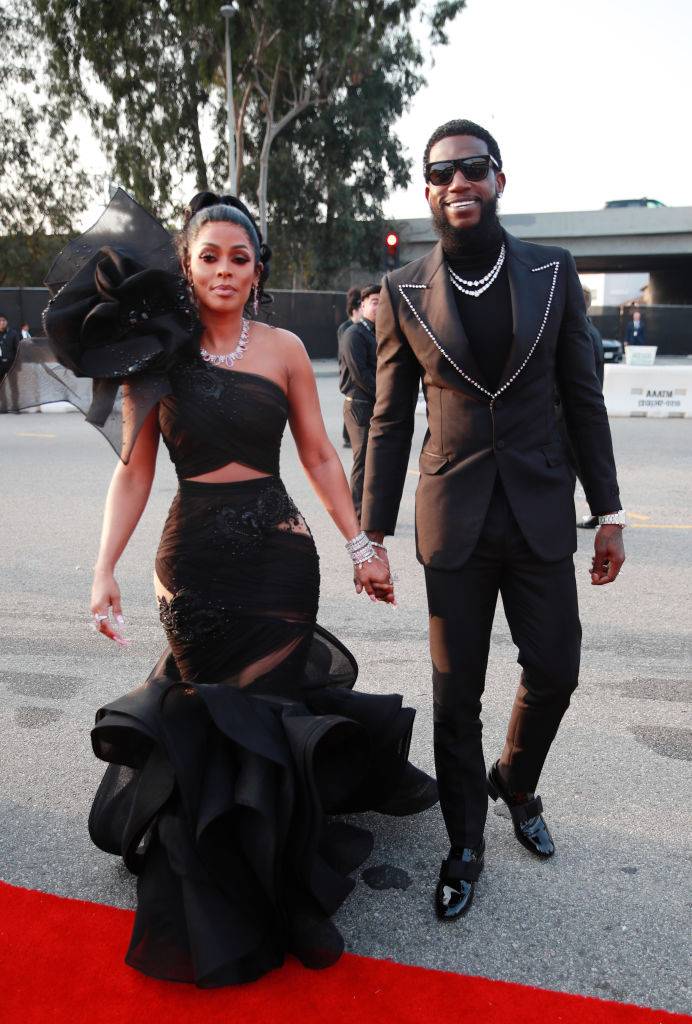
column 255, row 300
column 191, row 291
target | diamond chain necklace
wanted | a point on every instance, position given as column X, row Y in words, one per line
column 476, row 288
column 229, row 358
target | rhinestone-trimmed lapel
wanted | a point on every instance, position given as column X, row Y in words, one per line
column 431, row 301
column 531, row 289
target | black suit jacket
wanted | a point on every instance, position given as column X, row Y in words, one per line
column 9, row 343
column 638, row 337
column 357, row 362
column 474, row 434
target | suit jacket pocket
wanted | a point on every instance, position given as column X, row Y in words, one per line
column 554, row 453
column 429, row 463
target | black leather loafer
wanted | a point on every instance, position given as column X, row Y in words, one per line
column 457, row 884
column 415, row 793
column 529, row 825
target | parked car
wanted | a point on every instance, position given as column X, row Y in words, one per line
column 612, row 350
column 615, row 204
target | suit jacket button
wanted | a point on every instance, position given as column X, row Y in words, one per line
column 500, row 445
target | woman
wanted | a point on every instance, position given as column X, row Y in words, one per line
column 224, row 764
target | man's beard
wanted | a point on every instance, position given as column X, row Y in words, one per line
column 484, row 235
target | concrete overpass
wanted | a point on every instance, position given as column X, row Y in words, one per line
column 657, row 240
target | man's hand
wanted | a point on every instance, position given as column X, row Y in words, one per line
column 380, row 593
column 609, row 554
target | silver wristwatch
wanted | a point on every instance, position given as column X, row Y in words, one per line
column 614, row 519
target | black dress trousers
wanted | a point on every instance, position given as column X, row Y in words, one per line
column 357, row 416
column 540, row 603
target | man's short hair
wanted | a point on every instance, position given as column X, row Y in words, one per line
column 352, row 300
column 370, row 289
column 462, row 127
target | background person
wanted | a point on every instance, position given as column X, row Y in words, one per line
column 357, row 384
column 636, row 331
column 352, row 317
column 9, row 343
column 588, row 521
column 9, row 347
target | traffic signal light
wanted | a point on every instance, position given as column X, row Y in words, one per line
column 391, row 250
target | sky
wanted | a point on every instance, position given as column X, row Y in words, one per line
column 589, row 100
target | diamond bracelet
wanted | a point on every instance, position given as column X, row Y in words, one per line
column 360, row 549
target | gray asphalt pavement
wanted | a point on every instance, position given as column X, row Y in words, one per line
column 608, row 916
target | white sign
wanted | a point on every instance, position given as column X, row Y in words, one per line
column 648, row 390
column 640, row 355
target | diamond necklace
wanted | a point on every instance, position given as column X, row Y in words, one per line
column 476, row 288
column 229, row 358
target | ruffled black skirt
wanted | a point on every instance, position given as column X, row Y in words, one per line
column 225, row 765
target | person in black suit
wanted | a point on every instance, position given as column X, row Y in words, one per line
column 9, row 343
column 9, row 346
column 357, row 363
column 352, row 317
column 635, row 333
column 589, row 522
column 492, row 325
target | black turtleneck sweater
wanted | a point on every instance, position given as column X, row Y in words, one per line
column 487, row 319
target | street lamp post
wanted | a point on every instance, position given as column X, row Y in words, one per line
column 227, row 11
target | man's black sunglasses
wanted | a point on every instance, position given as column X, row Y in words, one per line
column 474, row 168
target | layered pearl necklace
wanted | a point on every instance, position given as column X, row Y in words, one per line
column 229, row 358
column 476, row 288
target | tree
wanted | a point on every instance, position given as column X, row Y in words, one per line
column 309, row 75
column 303, row 54
column 145, row 75
column 42, row 186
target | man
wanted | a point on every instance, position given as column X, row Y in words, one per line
column 352, row 317
column 357, row 364
column 493, row 325
column 636, row 332
column 9, row 342
column 353, row 301
column 589, row 522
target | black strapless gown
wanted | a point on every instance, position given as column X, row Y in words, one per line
column 227, row 763
column 226, row 766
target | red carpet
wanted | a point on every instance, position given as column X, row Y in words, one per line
column 61, row 961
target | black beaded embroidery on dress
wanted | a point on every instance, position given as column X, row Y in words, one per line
column 274, row 509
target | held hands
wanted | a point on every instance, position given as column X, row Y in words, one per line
column 609, row 555
column 375, row 579
column 105, row 598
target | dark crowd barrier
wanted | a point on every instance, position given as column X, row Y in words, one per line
column 668, row 327
column 313, row 316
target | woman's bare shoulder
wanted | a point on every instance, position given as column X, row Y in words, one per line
column 285, row 344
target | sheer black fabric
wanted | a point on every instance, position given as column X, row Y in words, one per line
column 225, row 764
column 119, row 318
column 213, row 416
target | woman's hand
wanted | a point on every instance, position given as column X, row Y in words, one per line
column 105, row 598
column 375, row 579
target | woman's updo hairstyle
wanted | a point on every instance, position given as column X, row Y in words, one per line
column 211, row 208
